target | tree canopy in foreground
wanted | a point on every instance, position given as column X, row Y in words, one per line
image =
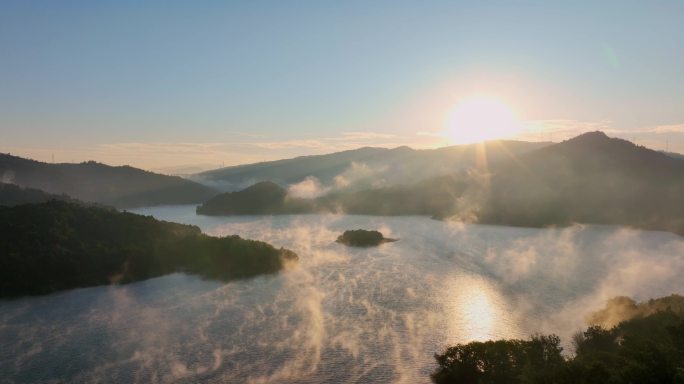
column 647, row 348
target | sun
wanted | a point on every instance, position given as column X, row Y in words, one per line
column 481, row 118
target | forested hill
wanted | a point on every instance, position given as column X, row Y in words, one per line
column 94, row 182
column 263, row 197
column 11, row 195
column 367, row 167
column 60, row 245
column 590, row 179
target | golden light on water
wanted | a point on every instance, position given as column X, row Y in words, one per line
column 481, row 118
column 477, row 311
column 478, row 314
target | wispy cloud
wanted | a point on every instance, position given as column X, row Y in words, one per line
column 567, row 125
column 164, row 148
column 289, row 144
column 578, row 127
column 346, row 140
column 661, row 129
column 553, row 129
column 356, row 135
column 430, row 134
column 189, row 157
column 659, row 137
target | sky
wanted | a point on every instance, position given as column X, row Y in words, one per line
column 183, row 86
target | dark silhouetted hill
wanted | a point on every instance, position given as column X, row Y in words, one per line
column 94, row 182
column 367, row 167
column 268, row 198
column 11, row 195
column 59, row 245
column 261, row 198
column 589, row 179
column 675, row 155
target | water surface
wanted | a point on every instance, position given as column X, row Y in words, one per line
column 342, row 314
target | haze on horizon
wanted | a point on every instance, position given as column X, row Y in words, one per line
column 173, row 87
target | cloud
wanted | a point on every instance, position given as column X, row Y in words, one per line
column 161, row 156
column 554, row 129
column 175, row 157
column 185, row 157
column 346, row 140
column 567, row 125
column 654, row 137
column 356, row 172
column 576, row 127
column 670, row 128
column 311, row 187
column 308, row 188
column 536, row 130
column 364, row 136
column 163, row 147
column 430, row 134
column 7, row 177
column 288, row 144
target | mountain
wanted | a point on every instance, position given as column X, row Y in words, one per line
column 675, row 155
column 11, row 195
column 366, row 167
column 588, row 179
column 267, row 198
column 59, row 245
column 263, row 197
column 94, row 182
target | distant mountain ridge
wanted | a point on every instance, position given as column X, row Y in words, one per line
column 123, row 186
column 675, row 155
column 591, row 178
column 588, row 179
column 366, row 167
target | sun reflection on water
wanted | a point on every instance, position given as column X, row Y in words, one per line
column 477, row 311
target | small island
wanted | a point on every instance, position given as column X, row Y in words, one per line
column 60, row 245
column 363, row 238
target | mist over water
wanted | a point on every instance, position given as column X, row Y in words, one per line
column 342, row 314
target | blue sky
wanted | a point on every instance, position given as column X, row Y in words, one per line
column 164, row 85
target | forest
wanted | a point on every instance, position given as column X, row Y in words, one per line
column 648, row 347
column 60, row 245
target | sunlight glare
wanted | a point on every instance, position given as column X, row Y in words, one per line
column 481, row 118
column 477, row 311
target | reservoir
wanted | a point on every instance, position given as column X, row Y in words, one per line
column 342, row 314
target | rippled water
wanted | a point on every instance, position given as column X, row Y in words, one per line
column 341, row 315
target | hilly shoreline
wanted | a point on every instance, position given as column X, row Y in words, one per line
column 592, row 179
column 59, row 245
column 121, row 187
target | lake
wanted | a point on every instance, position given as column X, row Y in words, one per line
column 342, row 314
